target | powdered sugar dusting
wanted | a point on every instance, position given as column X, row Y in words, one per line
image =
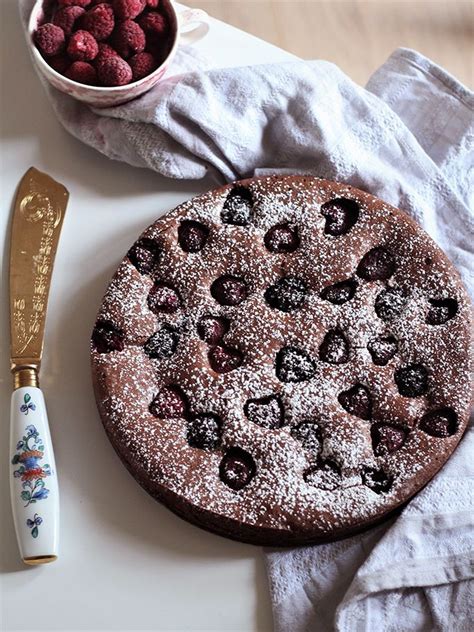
column 296, row 490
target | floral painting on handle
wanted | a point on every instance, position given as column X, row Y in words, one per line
column 30, row 451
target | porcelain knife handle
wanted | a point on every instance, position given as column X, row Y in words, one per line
column 33, row 480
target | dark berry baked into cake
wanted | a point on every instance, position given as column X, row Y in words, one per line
column 284, row 360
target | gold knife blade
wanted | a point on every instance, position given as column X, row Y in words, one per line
column 38, row 216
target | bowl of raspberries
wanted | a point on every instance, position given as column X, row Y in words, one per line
column 107, row 52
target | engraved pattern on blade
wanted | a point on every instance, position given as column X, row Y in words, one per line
column 37, row 222
column 35, row 206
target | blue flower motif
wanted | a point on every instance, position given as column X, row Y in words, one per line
column 25, row 407
column 31, row 430
column 34, row 524
column 40, row 494
column 36, row 520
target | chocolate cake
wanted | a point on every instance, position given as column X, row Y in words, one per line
column 284, row 360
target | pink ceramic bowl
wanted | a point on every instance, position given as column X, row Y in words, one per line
column 187, row 27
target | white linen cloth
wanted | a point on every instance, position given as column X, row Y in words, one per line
column 408, row 139
column 415, row 573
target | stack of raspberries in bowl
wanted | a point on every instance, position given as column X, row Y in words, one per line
column 103, row 42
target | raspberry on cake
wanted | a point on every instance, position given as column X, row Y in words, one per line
column 212, row 329
column 284, row 360
column 282, row 238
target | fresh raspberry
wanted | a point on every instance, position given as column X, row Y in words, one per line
column 66, row 18
column 74, row 3
column 128, row 9
column 82, row 46
column 105, row 52
column 49, row 38
column 142, row 64
column 82, row 72
column 153, row 22
column 128, row 39
column 60, row 63
column 114, row 71
column 99, row 21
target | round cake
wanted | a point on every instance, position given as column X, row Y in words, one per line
column 284, row 360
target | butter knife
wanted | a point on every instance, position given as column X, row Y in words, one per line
column 38, row 215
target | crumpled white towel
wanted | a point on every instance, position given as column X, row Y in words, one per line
column 415, row 573
column 407, row 138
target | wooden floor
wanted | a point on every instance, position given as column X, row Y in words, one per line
column 358, row 36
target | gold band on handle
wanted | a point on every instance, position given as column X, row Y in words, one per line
column 27, row 376
column 40, row 559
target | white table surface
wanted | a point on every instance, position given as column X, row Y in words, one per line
column 126, row 563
